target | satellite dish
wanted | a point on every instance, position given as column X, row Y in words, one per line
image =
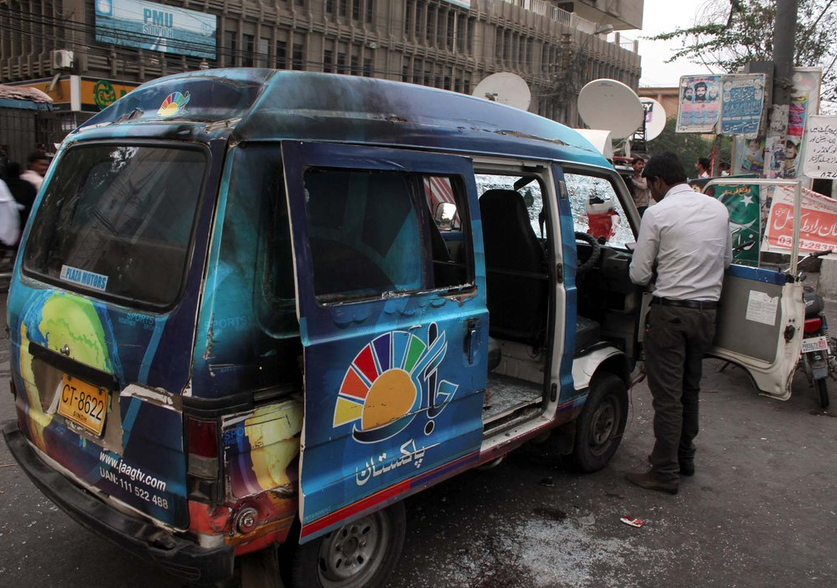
column 612, row 106
column 505, row 88
column 600, row 140
column 655, row 118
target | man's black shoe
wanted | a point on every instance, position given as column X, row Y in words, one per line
column 650, row 481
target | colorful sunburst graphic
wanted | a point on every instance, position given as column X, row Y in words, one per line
column 173, row 104
column 389, row 381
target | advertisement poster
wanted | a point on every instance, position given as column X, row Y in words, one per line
column 749, row 155
column 818, row 225
column 805, row 102
column 699, row 105
column 158, row 27
column 821, row 147
column 742, row 104
column 744, row 206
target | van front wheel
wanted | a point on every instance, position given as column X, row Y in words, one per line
column 360, row 554
column 601, row 424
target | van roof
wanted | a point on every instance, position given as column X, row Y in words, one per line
column 249, row 104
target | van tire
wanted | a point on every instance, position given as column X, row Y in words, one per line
column 320, row 563
column 601, row 424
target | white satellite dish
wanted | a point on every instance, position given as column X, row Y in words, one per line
column 600, row 140
column 610, row 105
column 655, row 118
column 505, row 88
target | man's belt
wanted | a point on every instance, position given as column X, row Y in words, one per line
column 695, row 304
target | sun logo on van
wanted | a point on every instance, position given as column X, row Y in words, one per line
column 390, row 381
column 173, row 104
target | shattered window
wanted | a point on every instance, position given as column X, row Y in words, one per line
column 597, row 210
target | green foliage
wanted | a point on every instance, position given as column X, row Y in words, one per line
column 730, row 33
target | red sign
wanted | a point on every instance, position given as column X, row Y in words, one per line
column 818, row 223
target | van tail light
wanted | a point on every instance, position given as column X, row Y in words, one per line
column 202, row 447
column 812, row 325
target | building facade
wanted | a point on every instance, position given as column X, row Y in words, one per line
column 87, row 53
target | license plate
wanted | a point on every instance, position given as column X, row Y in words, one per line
column 814, row 344
column 84, row 404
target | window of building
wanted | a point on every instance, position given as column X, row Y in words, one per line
column 299, row 56
column 264, row 52
column 356, row 9
column 370, row 10
column 367, row 67
column 342, row 5
column 408, row 18
column 431, row 24
column 341, row 63
column 230, row 48
column 328, row 61
column 449, row 41
column 281, row 55
column 355, row 65
column 248, row 44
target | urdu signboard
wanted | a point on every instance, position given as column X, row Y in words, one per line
column 158, row 27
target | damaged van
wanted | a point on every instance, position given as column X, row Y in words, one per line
column 257, row 308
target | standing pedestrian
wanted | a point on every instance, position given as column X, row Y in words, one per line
column 23, row 192
column 38, row 164
column 641, row 193
column 703, row 165
column 686, row 235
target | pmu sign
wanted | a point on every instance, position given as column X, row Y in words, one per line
column 148, row 25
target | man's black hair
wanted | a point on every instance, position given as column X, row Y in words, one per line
column 666, row 166
column 704, row 163
column 636, row 159
column 703, row 84
column 35, row 156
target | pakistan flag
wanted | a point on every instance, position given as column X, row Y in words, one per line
column 742, row 202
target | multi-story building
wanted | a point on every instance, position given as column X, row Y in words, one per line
column 87, row 53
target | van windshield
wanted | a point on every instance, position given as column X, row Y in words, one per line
column 116, row 221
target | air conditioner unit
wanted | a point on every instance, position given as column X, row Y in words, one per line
column 61, row 59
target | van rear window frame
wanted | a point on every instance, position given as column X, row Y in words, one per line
column 134, row 303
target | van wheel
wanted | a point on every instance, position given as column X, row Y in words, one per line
column 600, row 426
column 360, row 554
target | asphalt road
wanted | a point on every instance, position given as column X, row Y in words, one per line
column 761, row 511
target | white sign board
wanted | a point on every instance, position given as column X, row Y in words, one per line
column 821, row 147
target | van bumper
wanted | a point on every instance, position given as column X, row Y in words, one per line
column 178, row 556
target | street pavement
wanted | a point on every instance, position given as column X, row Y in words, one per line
column 761, row 511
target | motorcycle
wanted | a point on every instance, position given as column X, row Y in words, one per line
column 819, row 351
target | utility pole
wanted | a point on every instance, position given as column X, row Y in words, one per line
column 784, row 35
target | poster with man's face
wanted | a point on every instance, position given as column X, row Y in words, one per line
column 699, row 105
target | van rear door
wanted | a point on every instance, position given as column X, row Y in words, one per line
column 394, row 327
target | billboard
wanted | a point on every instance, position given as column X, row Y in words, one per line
column 157, row 27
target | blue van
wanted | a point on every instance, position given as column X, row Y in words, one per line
column 257, row 308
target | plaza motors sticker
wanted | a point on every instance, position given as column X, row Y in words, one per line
column 84, row 278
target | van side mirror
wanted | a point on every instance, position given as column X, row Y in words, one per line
column 445, row 216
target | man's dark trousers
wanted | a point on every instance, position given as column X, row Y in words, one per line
column 675, row 341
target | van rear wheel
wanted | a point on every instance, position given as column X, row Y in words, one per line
column 360, row 554
column 601, row 424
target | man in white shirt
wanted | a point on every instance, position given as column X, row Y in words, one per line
column 38, row 164
column 685, row 241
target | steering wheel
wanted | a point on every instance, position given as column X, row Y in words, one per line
column 595, row 252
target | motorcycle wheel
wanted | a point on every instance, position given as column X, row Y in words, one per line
column 822, row 388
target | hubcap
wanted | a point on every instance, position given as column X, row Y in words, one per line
column 351, row 555
column 603, row 425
